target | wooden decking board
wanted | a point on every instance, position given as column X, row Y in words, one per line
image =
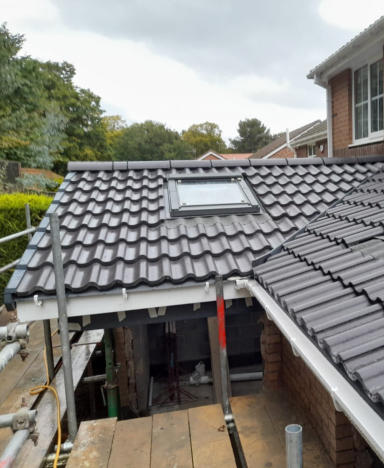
column 131, row 447
column 171, row 446
column 93, row 444
column 31, row 456
column 211, row 446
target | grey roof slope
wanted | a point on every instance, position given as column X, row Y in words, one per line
column 318, row 131
column 114, row 229
column 282, row 139
column 330, row 280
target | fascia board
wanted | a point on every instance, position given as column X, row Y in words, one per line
column 123, row 301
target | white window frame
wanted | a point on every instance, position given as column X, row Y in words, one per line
column 372, row 136
column 311, row 154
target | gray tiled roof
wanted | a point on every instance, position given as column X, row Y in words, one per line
column 115, row 232
column 330, row 280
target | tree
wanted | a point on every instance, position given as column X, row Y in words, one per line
column 45, row 120
column 204, row 137
column 252, row 136
column 150, row 141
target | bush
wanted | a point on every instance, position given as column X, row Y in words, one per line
column 12, row 220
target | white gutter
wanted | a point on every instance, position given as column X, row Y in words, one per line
column 329, row 121
column 372, row 34
column 152, row 299
column 346, row 399
column 310, row 139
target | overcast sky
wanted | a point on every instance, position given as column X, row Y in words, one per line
column 188, row 61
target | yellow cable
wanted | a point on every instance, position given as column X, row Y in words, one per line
column 41, row 388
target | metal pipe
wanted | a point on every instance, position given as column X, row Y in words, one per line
column 294, row 445
column 246, row 376
column 11, row 451
column 49, row 349
column 16, row 235
column 222, row 344
column 6, row 420
column 150, row 393
column 8, row 352
column 14, row 331
column 28, row 219
column 112, row 396
column 63, row 325
column 94, row 378
column 8, row 266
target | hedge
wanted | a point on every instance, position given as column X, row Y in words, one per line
column 12, row 219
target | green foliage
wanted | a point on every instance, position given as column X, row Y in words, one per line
column 38, row 182
column 204, row 137
column 150, row 141
column 12, row 219
column 45, row 120
column 253, row 135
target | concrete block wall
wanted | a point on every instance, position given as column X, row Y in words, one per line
column 282, row 369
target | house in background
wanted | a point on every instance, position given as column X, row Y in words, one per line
column 353, row 79
column 313, row 142
column 282, row 145
column 214, row 156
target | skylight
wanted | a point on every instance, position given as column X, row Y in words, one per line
column 196, row 196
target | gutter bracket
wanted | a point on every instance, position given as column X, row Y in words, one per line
column 38, row 302
column 335, row 400
column 294, row 348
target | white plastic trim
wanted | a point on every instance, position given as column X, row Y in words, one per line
column 147, row 298
column 345, row 397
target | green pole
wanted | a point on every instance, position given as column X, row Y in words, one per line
column 110, row 385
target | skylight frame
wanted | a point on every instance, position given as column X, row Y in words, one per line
column 176, row 209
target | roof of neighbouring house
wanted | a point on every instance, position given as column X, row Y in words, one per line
column 44, row 172
column 316, row 133
column 281, row 141
column 372, row 33
column 115, row 231
column 330, row 280
column 225, row 155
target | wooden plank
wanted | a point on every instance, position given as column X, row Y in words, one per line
column 131, row 446
column 46, row 425
column 93, row 444
column 261, row 444
column 210, row 441
column 171, row 445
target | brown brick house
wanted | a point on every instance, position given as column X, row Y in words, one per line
column 214, row 156
column 283, row 145
column 353, row 79
column 313, row 142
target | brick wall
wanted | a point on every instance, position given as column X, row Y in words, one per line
column 282, row 368
column 364, row 150
column 341, row 89
column 212, row 156
column 302, row 151
column 283, row 153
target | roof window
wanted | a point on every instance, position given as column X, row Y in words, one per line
column 197, row 196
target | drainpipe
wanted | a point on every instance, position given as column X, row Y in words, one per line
column 110, row 383
column 329, row 121
column 289, row 143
